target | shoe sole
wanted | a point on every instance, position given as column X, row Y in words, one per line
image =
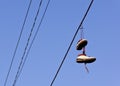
column 85, row 60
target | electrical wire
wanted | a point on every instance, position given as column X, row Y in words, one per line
column 28, row 40
column 71, row 43
column 34, row 37
column 10, row 67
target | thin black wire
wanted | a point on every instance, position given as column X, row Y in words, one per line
column 22, row 58
column 9, row 70
column 34, row 37
column 71, row 43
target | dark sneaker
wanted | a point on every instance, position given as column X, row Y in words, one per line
column 81, row 44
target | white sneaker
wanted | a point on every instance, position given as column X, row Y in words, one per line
column 81, row 44
column 82, row 58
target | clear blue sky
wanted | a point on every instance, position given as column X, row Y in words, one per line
column 102, row 30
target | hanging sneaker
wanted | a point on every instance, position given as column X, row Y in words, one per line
column 82, row 58
column 81, row 44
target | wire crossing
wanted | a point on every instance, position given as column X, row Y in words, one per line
column 10, row 67
column 72, row 42
column 22, row 58
column 38, row 28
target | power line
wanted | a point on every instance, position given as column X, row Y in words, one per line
column 28, row 40
column 34, row 37
column 10, row 67
column 71, row 43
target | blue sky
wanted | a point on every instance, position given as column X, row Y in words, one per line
column 57, row 29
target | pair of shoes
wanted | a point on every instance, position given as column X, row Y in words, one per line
column 82, row 58
column 81, row 44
